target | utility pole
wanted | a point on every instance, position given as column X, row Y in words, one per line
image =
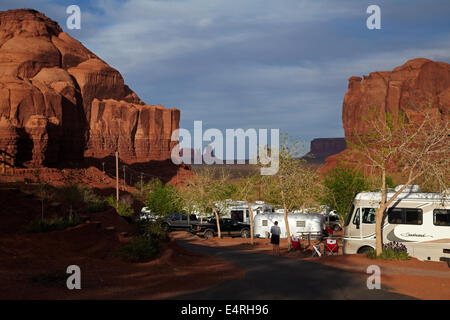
column 117, row 181
column 124, row 178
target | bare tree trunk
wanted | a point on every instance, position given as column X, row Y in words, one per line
column 379, row 215
column 288, row 231
column 219, row 233
column 251, row 223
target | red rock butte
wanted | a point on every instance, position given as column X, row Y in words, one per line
column 419, row 82
column 60, row 102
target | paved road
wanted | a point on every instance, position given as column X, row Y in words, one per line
column 271, row 277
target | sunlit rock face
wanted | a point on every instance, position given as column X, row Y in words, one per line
column 418, row 83
column 59, row 101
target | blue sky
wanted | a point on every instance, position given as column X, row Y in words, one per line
column 253, row 63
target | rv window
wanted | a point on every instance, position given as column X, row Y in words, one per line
column 248, row 214
column 413, row 216
column 264, row 223
column 368, row 215
column 349, row 215
column 441, row 217
column 356, row 218
column 300, row 224
column 405, row 216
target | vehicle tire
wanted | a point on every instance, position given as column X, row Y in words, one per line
column 364, row 249
column 245, row 233
column 208, row 234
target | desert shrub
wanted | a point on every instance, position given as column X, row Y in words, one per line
column 96, row 206
column 139, row 249
column 391, row 251
column 154, row 230
column 52, row 224
column 123, row 210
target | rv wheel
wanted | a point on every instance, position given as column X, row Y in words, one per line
column 336, row 228
column 364, row 249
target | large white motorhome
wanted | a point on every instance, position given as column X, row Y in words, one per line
column 298, row 223
column 420, row 221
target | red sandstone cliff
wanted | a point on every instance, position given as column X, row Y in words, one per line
column 59, row 101
column 418, row 82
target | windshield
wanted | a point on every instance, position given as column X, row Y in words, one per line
column 349, row 215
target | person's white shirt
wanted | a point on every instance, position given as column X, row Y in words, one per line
column 275, row 230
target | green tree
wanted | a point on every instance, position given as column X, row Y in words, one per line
column 163, row 200
column 342, row 184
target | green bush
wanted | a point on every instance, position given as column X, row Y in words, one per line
column 154, row 230
column 124, row 210
column 53, row 224
column 96, row 206
column 388, row 254
column 139, row 249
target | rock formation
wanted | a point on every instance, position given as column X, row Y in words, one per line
column 419, row 82
column 322, row 148
column 60, row 102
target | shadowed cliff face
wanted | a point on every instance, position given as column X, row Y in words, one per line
column 60, row 102
column 417, row 83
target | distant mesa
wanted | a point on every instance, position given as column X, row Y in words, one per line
column 60, row 102
column 419, row 82
column 321, row 148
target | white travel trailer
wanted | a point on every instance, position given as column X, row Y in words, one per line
column 298, row 223
column 420, row 221
column 238, row 210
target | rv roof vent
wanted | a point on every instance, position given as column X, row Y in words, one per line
column 259, row 202
column 409, row 188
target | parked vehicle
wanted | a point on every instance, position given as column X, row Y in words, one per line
column 299, row 223
column 333, row 221
column 147, row 215
column 238, row 210
column 420, row 221
column 178, row 221
column 228, row 227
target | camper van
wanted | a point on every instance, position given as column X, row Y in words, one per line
column 238, row 210
column 420, row 221
column 298, row 223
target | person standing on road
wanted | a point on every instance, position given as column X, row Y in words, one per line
column 275, row 239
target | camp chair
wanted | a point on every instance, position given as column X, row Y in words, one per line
column 316, row 250
column 331, row 246
column 296, row 243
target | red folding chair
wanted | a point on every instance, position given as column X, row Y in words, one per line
column 296, row 243
column 331, row 246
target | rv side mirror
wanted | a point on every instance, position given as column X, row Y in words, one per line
column 357, row 226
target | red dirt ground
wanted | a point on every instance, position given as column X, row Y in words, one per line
column 420, row 279
column 90, row 245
